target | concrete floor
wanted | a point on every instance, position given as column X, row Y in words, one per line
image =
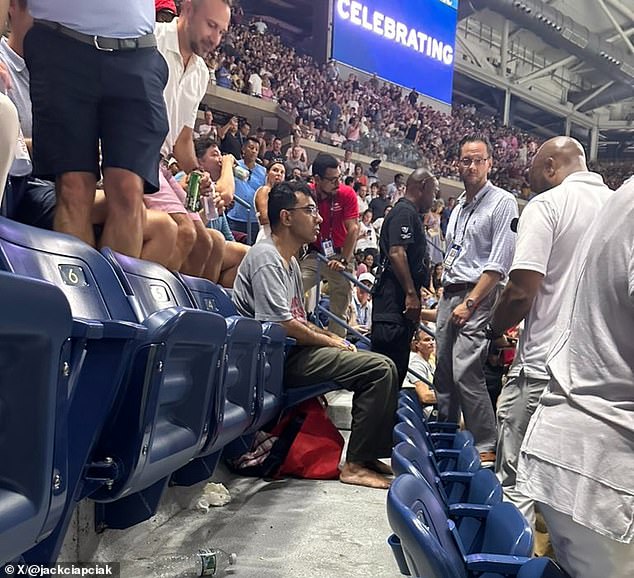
column 284, row 529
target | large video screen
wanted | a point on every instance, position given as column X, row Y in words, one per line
column 409, row 42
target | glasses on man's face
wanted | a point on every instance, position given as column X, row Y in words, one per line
column 332, row 180
column 312, row 210
column 466, row 162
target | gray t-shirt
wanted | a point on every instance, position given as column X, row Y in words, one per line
column 110, row 18
column 268, row 289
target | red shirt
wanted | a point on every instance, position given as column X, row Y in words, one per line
column 335, row 210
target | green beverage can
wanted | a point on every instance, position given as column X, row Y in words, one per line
column 192, row 202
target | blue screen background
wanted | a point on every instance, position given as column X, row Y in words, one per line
column 367, row 51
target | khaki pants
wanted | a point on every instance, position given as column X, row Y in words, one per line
column 339, row 288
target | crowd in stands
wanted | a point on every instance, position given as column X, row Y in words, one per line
column 251, row 187
column 371, row 117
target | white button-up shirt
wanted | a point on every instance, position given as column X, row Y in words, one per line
column 185, row 86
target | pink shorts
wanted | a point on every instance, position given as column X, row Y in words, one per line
column 170, row 198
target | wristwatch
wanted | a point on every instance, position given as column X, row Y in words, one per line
column 490, row 334
column 470, row 303
column 343, row 261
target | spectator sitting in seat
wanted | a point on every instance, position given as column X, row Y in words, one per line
column 421, row 360
column 226, row 255
column 165, row 10
column 361, row 306
column 269, row 288
column 275, row 154
column 295, row 162
column 9, row 120
column 207, row 127
column 276, row 174
column 245, row 189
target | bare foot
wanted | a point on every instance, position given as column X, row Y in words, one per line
column 359, row 475
column 379, row 467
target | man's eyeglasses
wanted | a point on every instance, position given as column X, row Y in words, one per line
column 312, row 210
column 466, row 163
column 333, row 180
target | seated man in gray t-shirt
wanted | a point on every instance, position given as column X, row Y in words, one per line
column 269, row 288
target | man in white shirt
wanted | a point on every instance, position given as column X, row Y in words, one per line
column 255, row 84
column 183, row 43
column 576, row 459
column 553, row 227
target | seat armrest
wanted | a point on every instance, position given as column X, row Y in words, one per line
column 123, row 330
column 495, row 563
column 448, row 426
column 460, row 477
column 87, row 329
column 462, row 510
column 446, row 453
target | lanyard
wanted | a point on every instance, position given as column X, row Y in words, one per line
column 333, row 200
column 464, row 229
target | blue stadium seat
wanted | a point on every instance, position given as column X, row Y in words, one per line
column 452, row 489
column 461, row 456
column 211, row 297
column 410, row 400
column 35, row 330
column 431, row 546
column 104, row 341
column 232, row 407
column 438, row 439
column 139, row 393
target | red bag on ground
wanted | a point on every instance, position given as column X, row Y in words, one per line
column 316, row 451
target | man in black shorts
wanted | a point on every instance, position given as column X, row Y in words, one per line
column 97, row 84
column 405, row 269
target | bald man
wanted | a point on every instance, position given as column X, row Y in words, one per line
column 404, row 260
column 552, row 230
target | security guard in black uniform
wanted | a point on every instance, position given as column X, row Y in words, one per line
column 404, row 270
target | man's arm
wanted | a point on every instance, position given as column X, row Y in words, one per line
column 226, row 184
column 487, row 282
column 184, row 150
column 223, row 130
column 305, row 334
column 516, row 300
column 400, row 266
column 352, row 232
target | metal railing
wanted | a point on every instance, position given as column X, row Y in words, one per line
column 322, row 260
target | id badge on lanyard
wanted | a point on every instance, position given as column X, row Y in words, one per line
column 328, row 248
column 452, row 255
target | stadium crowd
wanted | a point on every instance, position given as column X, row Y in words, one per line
column 137, row 196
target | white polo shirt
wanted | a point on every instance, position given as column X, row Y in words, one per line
column 552, row 230
column 185, row 86
column 577, row 453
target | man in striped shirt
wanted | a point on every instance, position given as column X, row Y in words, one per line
column 480, row 248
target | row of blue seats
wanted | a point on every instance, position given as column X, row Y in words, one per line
column 118, row 377
column 447, row 513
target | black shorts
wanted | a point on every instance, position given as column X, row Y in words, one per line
column 83, row 98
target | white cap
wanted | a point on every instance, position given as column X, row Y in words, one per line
column 366, row 277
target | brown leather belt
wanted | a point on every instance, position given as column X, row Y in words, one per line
column 457, row 288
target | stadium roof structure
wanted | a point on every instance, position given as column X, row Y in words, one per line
column 564, row 59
